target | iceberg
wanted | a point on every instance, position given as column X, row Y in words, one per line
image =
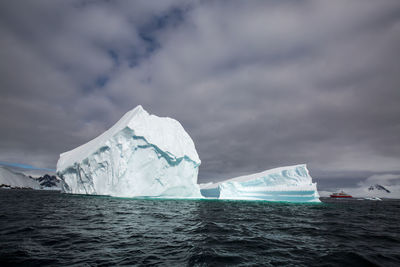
column 291, row 184
column 142, row 155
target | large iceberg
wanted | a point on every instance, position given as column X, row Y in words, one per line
column 291, row 184
column 142, row 155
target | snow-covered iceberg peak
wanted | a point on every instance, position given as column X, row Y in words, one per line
column 291, row 183
column 142, row 155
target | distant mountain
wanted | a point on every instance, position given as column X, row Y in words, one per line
column 11, row 179
column 48, row 181
column 15, row 180
column 378, row 187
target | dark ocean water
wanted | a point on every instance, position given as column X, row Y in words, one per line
column 45, row 228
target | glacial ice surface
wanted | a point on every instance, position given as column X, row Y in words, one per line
column 291, row 184
column 142, row 155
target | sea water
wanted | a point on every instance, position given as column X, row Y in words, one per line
column 53, row 229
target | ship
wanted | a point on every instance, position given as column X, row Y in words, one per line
column 340, row 195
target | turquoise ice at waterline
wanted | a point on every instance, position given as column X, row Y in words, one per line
column 291, row 184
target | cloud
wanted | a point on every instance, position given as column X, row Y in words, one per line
column 257, row 84
column 52, row 55
column 384, row 179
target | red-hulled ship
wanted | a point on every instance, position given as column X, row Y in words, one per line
column 341, row 195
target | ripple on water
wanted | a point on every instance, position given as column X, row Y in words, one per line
column 45, row 228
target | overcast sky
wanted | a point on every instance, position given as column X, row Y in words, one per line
column 256, row 84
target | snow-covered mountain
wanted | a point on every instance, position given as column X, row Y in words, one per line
column 378, row 187
column 49, row 182
column 13, row 179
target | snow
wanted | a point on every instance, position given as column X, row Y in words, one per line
column 291, row 183
column 16, row 180
column 142, row 155
column 11, row 177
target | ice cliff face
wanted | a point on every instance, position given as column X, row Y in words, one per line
column 292, row 184
column 142, row 155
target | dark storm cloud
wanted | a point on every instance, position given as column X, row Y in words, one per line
column 257, row 84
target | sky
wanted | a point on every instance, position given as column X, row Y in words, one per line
column 256, row 84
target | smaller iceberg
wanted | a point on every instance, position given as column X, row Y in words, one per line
column 290, row 184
